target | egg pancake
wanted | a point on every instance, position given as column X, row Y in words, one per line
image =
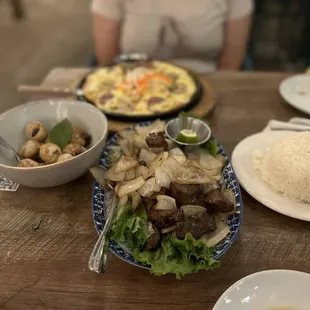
column 140, row 89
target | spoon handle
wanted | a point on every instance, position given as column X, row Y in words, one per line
column 98, row 258
column 10, row 148
column 34, row 89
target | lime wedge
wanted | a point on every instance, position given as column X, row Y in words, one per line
column 187, row 136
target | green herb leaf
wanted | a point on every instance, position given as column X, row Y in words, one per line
column 61, row 133
column 184, row 114
column 211, row 146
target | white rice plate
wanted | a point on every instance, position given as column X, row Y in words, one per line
column 285, row 166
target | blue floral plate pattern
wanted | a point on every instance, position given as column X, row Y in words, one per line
column 230, row 182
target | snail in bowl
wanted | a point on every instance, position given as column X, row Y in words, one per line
column 64, row 157
column 36, row 131
column 30, row 149
column 27, row 163
column 49, row 153
column 63, row 142
column 80, row 137
column 74, row 149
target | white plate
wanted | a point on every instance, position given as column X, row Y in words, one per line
column 268, row 290
column 242, row 161
column 295, row 90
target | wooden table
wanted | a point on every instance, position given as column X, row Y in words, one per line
column 47, row 235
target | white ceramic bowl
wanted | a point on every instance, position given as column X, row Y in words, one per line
column 49, row 112
column 268, row 290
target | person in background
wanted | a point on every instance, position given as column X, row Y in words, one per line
column 204, row 35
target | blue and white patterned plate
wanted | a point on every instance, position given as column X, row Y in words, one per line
column 230, row 182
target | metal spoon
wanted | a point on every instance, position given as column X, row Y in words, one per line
column 10, row 150
column 98, row 258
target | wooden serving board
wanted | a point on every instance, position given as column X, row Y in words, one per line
column 69, row 77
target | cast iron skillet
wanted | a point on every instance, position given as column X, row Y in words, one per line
column 138, row 118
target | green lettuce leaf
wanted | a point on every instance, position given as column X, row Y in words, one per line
column 179, row 257
column 130, row 227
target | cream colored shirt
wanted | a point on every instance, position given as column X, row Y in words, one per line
column 190, row 33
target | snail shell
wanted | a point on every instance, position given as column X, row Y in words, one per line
column 30, row 149
column 64, row 157
column 27, row 163
column 49, row 153
column 36, row 131
column 73, row 149
column 80, row 137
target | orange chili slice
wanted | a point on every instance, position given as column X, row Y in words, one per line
column 141, row 88
column 123, row 86
column 159, row 76
column 162, row 77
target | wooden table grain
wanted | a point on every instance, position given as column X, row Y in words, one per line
column 47, row 234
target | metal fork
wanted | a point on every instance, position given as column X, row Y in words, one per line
column 98, row 258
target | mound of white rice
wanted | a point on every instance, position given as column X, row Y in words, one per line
column 285, row 167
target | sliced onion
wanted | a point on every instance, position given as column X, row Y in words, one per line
column 171, row 167
column 191, row 175
column 135, row 199
column 215, row 237
column 179, row 156
column 125, row 163
column 171, row 144
column 162, row 178
column 215, row 175
column 148, row 188
column 159, row 159
column 193, row 156
column 101, row 175
column 210, row 187
column 127, row 146
column 139, row 142
column 157, row 162
column 221, row 217
column 207, row 161
column 109, row 175
column 130, row 174
column 127, row 187
column 192, row 209
column 195, row 163
column 122, row 201
column 176, row 151
column 221, row 159
column 142, row 130
column 156, row 150
column 158, row 125
column 115, row 153
column 168, row 230
column 127, row 134
column 147, row 156
column 165, row 203
column 181, row 159
column 142, row 171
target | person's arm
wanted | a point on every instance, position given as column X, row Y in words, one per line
column 106, row 37
column 235, row 43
